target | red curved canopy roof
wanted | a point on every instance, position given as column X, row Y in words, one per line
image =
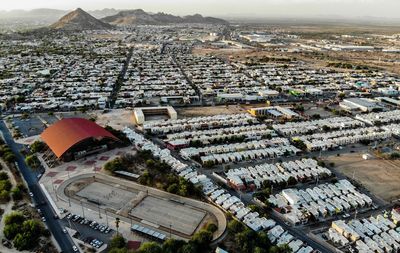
column 64, row 134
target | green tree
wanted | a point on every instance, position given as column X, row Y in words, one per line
column 202, row 238
column 116, row 250
column 37, row 146
column 211, row 227
column 11, row 230
column 5, row 185
column 14, row 217
column 114, row 165
column 32, row 161
column 173, row 188
column 9, row 157
column 21, row 242
column 259, row 250
column 292, row 181
column 34, row 227
column 189, row 248
column 4, row 196
column 235, row 226
column 150, row 247
column 118, row 241
column 172, row 246
column 3, row 175
column 16, row 193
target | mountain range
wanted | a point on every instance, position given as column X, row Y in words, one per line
column 139, row 16
column 101, row 19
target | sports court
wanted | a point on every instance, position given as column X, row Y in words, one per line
column 180, row 217
column 107, row 195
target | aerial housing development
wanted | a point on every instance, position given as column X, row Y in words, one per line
column 135, row 131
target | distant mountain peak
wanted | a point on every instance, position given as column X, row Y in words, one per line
column 139, row 16
column 80, row 20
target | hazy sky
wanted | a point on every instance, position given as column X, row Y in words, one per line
column 258, row 8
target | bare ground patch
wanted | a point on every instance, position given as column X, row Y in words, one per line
column 381, row 177
column 208, row 111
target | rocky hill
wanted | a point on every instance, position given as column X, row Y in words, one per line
column 80, row 20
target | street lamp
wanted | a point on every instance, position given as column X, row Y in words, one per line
column 98, row 206
column 117, row 220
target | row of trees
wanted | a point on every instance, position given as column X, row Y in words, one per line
column 23, row 232
column 5, row 187
column 199, row 243
column 6, row 153
column 222, row 140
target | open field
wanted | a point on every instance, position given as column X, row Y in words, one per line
column 117, row 119
column 381, row 177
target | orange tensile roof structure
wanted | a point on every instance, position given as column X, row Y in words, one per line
column 66, row 133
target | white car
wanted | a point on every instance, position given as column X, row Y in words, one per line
column 74, row 248
column 31, row 194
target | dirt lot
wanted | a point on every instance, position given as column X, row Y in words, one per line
column 117, row 119
column 381, row 177
column 208, row 111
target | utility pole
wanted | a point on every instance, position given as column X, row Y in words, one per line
column 83, row 210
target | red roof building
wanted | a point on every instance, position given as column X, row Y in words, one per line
column 66, row 133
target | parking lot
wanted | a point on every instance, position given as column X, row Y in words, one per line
column 50, row 119
column 89, row 231
column 166, row 213
column 29, row 127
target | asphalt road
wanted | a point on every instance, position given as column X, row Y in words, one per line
column 54, row 225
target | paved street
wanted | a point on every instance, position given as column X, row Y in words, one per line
column 54, row 225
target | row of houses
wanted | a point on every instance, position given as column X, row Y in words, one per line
column 219, row 154
column 313, row 126
column 301, row 170
column 320, row 201
column 329, row 140
column 375, row 234
column 380, row 117
column 222, row 133
column 234, row 147
column 256, row 154
column 198, row 123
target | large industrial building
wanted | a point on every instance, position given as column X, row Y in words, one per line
column 75, row 138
